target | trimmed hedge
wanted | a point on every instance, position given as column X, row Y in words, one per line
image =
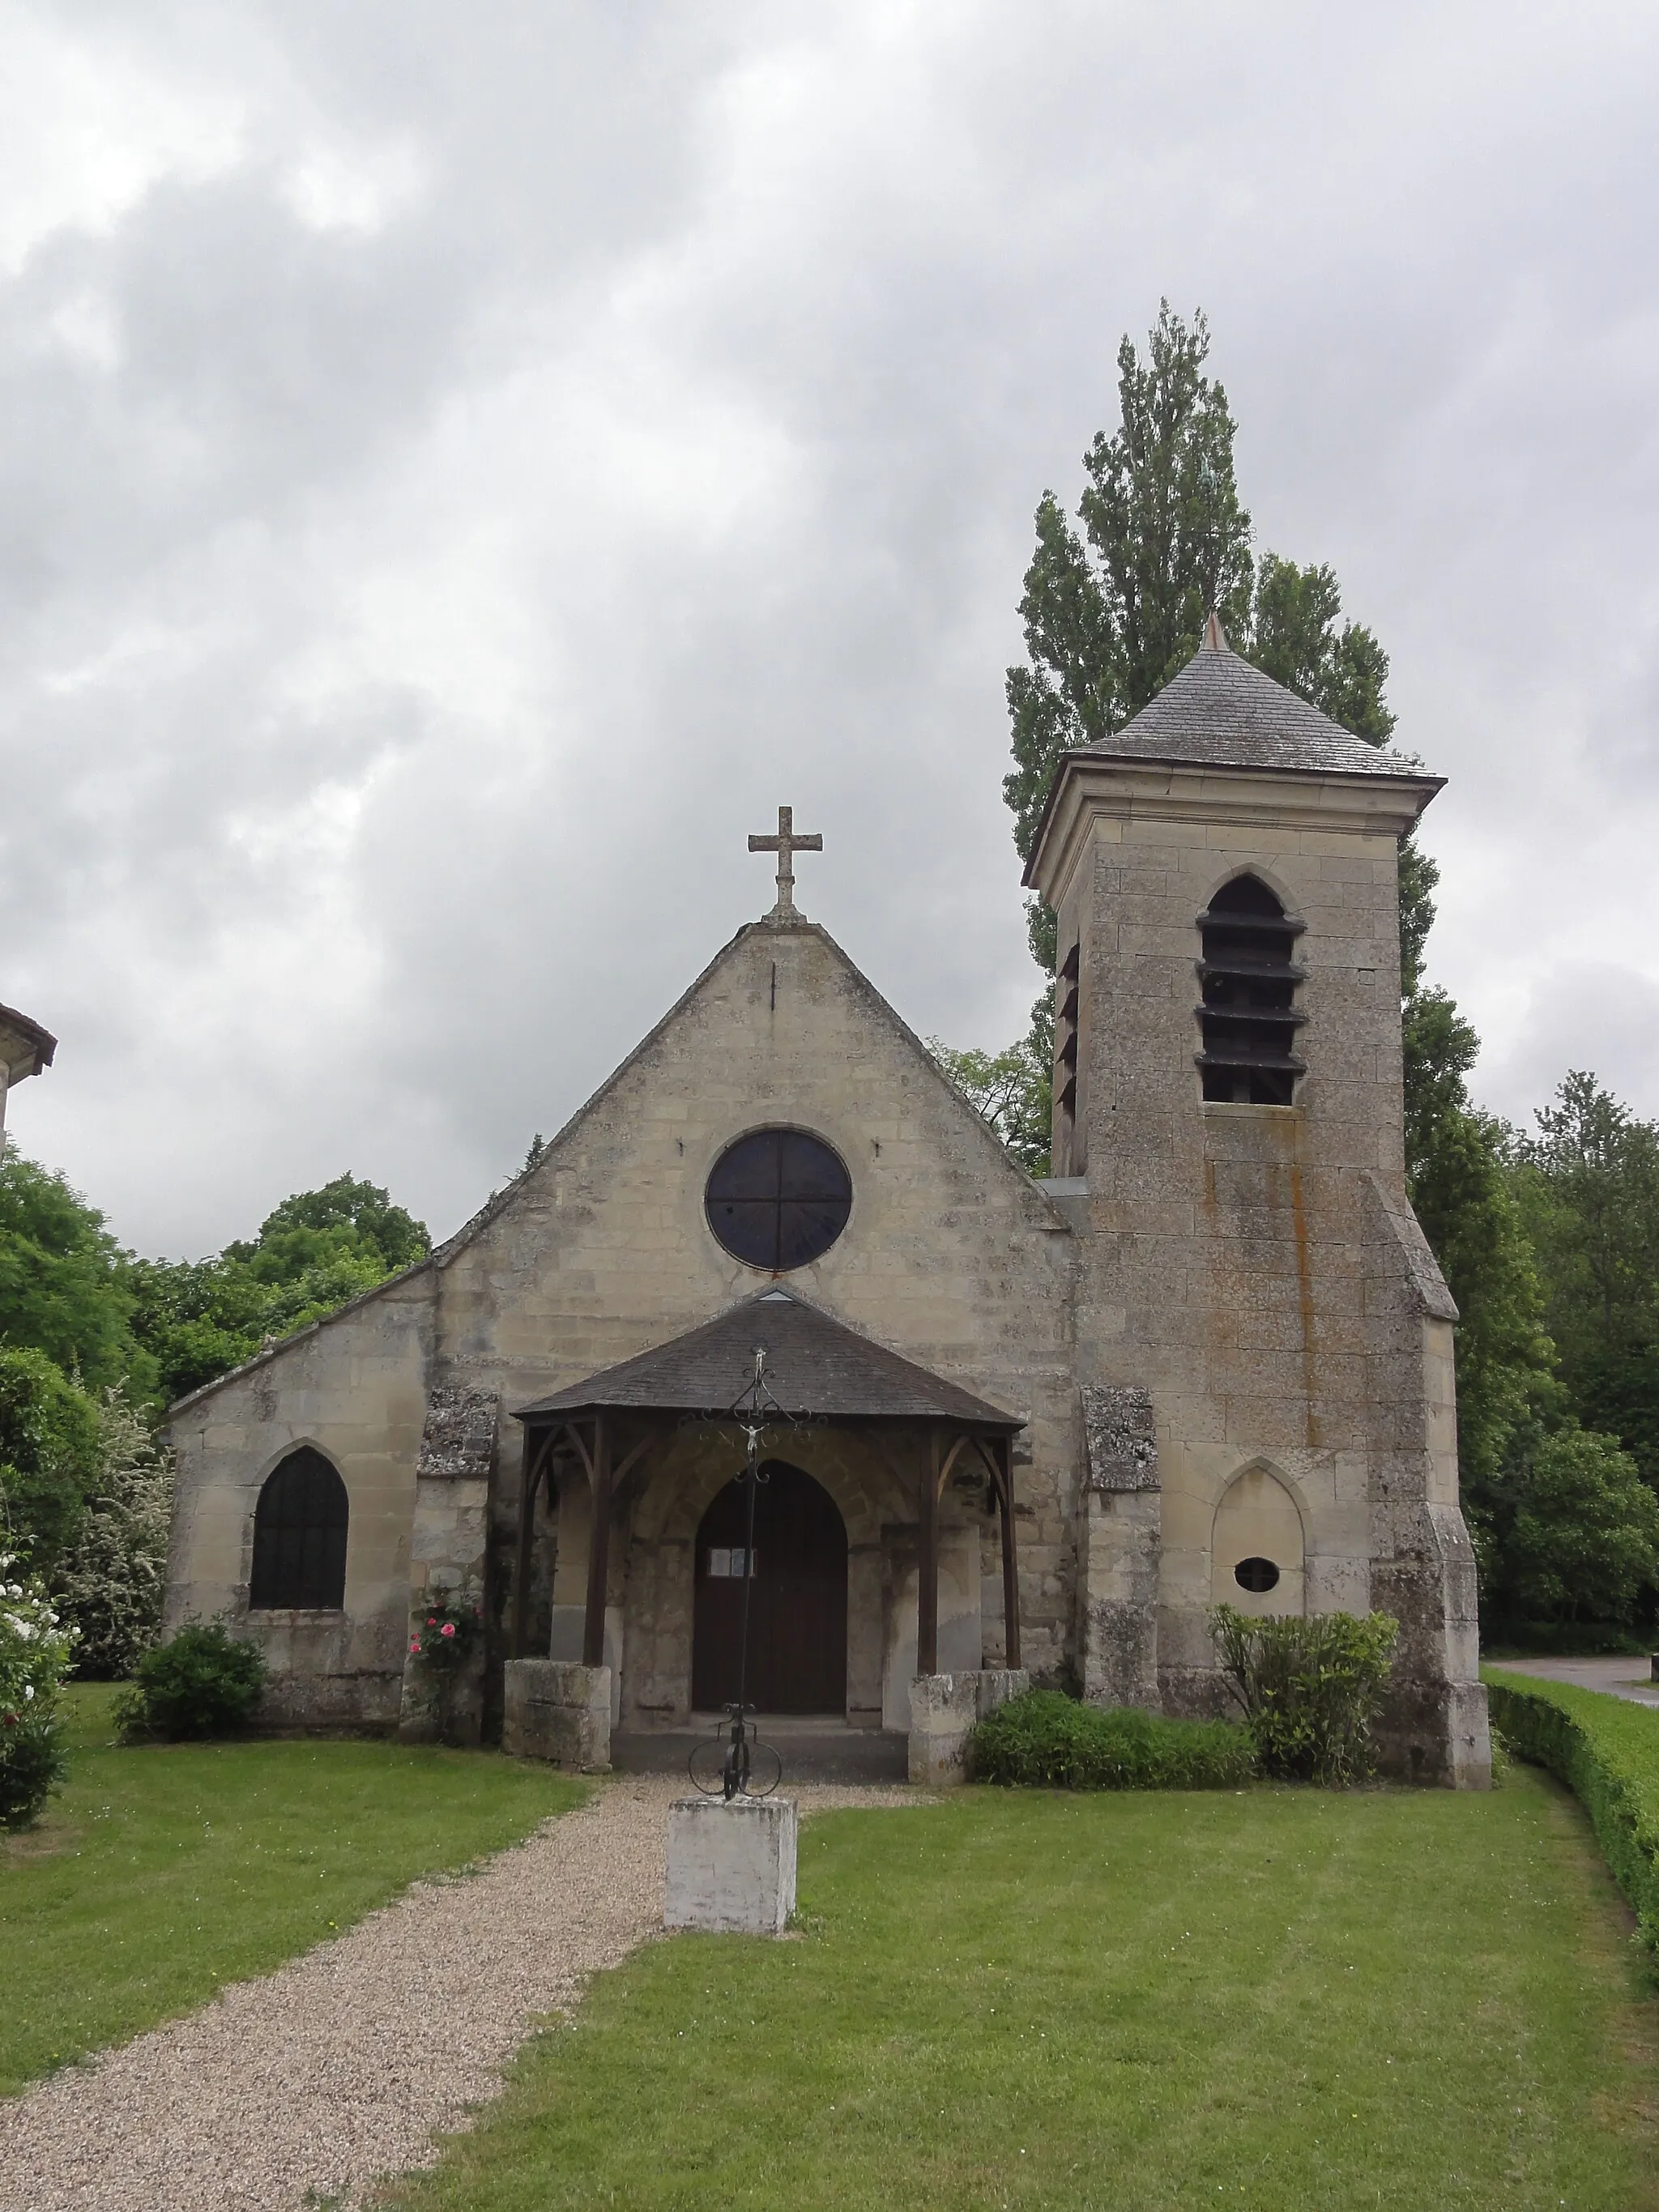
column 1606, row 1751
column 1046, row 1740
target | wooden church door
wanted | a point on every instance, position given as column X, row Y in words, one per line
column 798, row 1602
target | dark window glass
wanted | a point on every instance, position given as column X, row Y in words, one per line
column 1259, row 1575
column 299, row 1535
column 778, row 1199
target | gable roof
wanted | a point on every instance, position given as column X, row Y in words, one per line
column 815, row 1365
column 795, row 924
column 499, row 1201
column 1222, row 709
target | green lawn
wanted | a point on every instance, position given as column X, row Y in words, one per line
column 160, row 1872
column 1281, row 2000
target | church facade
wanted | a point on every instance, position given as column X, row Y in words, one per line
column 999, row 1422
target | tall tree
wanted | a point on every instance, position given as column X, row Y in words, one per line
column 314, row 1252
column 64, row 1283
column 1588, row 1187
column 1112, row 610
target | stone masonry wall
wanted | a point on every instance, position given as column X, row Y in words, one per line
column 1236, row 1264
column 354, row 1385
column 951, row 1255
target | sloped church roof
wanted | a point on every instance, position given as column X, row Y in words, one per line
column 815, row 1365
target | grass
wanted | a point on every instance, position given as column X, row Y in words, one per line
column 1606, row 1749
column 1284, row 1999
column 160, row 1872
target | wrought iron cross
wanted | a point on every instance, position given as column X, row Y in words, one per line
column 786, row 845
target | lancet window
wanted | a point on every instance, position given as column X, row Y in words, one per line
column 299, row 1535
column 1248, row 1013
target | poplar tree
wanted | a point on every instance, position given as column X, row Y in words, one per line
column 1114, row 605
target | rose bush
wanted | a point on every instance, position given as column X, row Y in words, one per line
column 442, row 1634
column 35, row 1651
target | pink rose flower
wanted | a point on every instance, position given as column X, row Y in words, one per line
column 414, row 1643
column 448, row 1629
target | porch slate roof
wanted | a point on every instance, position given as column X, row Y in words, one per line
column 814, row 1365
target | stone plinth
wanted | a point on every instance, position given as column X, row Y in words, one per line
column 559, row 1710
column 731, row 1868
column 943, row 1710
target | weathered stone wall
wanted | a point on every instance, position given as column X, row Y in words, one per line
column 1246, row 1265
column 951, row 1255
column 355, row 1387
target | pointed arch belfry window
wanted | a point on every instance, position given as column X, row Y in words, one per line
column 1248, row 1013
column 300, row 1528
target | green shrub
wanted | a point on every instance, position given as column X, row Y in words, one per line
column 201, row 1682
column 34, row 1654
column 1310, row 1687
column 1045, row 1741
column 1606, row 1752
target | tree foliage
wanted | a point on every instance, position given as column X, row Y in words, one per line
column 1010, row 1089
column 1589, row 1190
column 314, row 1253
column 49, row 1456
column 64, row 1286
column 1580, row 1540
column 1112, row 611
column 111, row 1580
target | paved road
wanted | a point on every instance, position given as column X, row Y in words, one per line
column 1622, row 1677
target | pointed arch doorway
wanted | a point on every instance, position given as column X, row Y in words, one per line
column 797, row 1601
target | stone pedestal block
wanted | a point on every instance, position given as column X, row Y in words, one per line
column 731, row 1868
column 943, row 1710
column 559, row 1710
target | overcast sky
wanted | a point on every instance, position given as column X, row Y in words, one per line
column 463, row 467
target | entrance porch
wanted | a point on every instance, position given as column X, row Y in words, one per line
column 870, row 1533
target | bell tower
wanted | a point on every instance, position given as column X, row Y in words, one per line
column 1258, row 1304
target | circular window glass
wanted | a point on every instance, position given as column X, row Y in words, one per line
column 1257, row 1575
column 778, row 1199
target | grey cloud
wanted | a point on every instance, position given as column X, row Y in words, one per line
column 402, row 621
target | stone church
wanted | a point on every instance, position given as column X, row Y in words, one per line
column 1000, row 1424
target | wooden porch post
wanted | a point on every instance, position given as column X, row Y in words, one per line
column 535, row 1455
column 599, row 1547
column 928, row 1561
column 1010, row 1562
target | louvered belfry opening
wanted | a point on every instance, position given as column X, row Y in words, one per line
column 1248, row 1015
column 1066, row 1021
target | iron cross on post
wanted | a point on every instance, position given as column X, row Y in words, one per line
column 786, row 845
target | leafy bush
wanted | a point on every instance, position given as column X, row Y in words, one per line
column 48, row 1452
column 111, row 1582
column 1585, row 1539
column 1606, row 1752
column 1045, row 1741
column 442, row 1636
column 1309, row 1688
column 201, row 1682
column 34, row 1652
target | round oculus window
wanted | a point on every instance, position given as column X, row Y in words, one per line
column 778, row 1199
column 1257, row 1576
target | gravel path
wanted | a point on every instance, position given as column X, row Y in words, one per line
column 343, row 2064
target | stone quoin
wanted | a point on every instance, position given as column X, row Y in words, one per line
column 1032, row 1426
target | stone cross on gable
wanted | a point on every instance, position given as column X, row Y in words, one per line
column 786, row 845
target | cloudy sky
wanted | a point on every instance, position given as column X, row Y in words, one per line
column 461, row 467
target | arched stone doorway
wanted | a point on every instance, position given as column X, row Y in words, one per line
column 797, row 1601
